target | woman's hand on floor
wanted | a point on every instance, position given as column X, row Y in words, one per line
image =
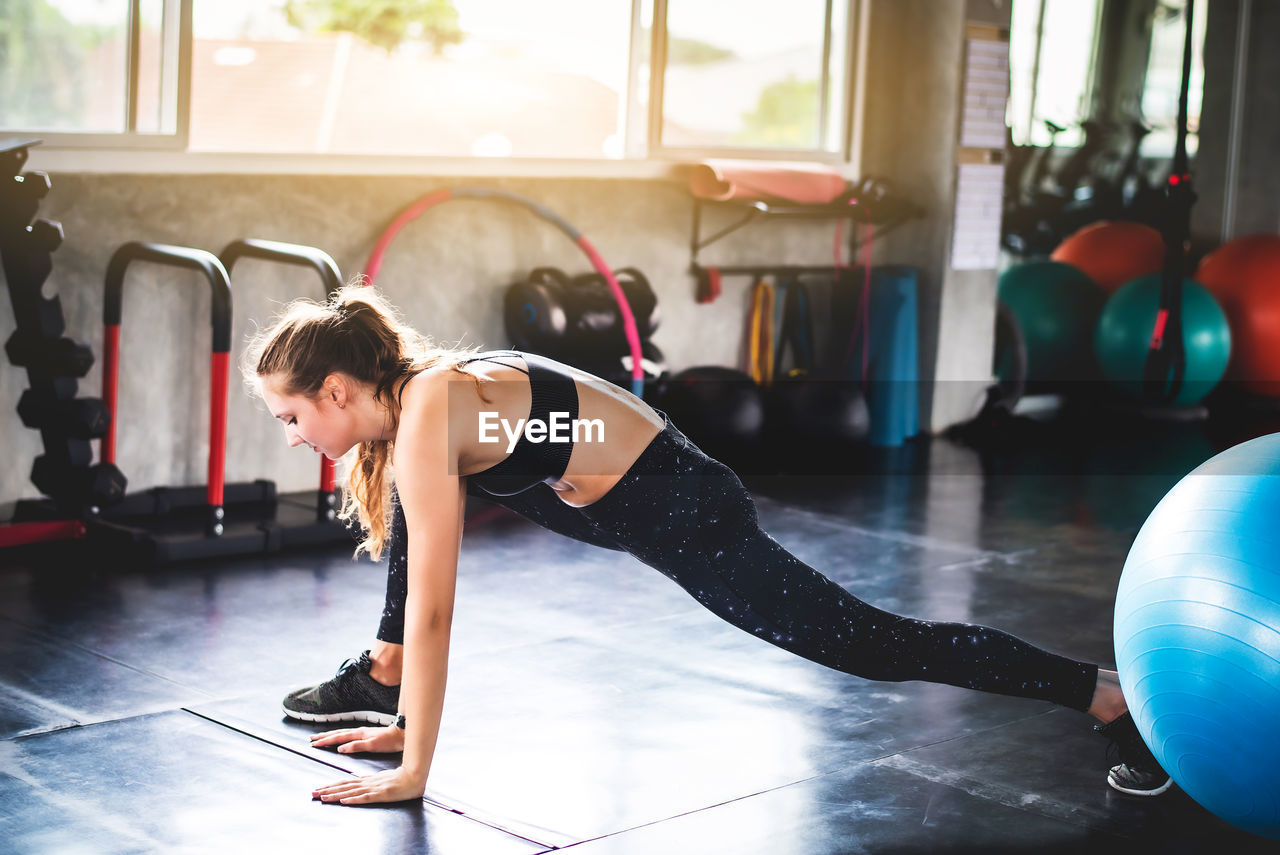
column 391, row 785
column 350, row 740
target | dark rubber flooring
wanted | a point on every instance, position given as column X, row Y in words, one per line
column 592, row 705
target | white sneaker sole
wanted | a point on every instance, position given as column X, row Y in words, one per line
column 362, row 716
column 1115, row 785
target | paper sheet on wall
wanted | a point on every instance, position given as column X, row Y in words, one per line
column 986, row 90
column 975, row 238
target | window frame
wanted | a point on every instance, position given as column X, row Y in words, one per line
column 175, row 91
column 643, row 153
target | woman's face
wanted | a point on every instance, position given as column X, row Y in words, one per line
column 319, row 423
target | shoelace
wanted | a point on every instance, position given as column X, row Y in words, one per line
column 349, row 664
column 1126, row 747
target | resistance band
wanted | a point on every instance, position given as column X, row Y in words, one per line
column 862, row 323
column 760, row 334
column 797, row 330
column 1166, row 363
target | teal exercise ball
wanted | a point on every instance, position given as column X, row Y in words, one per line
column 1057, row 307
column 1123, row 337
column 1197, row 634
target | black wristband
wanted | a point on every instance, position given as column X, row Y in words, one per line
column 400, row 721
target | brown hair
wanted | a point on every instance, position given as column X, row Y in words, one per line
column 357, row 333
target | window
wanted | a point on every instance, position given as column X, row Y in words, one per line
column 441, row 78
column 500, row 78
column 1163, row 81
column 92, row 72
column 1053, row 45
column 755, row 75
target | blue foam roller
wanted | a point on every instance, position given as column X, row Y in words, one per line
column 893, row 371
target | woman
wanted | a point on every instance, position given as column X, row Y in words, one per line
column 589, row 460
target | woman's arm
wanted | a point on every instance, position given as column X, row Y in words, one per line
column 433, row 508
column 433, row 498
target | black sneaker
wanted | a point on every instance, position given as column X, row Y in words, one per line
column 1138, row 773
column 350, row 695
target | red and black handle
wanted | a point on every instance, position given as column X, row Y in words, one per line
column 331, row 279
column 220, row 319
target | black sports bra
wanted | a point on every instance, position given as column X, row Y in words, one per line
column 529, row 463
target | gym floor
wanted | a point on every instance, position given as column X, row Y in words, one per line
column 593, row 705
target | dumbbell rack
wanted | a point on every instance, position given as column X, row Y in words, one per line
column 64, row 473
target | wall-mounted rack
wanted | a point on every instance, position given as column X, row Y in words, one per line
column 870, row 202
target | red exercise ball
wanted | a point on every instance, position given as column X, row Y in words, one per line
column 1113, row 253
column 1244, row 274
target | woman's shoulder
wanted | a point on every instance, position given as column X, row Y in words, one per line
column 426, row 387
column 438, row 395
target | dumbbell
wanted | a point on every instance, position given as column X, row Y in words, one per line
column 534, row 310
column 47, row 235
column 100, row 484
column 597, row 313
column 22, row 196
column 52, row 357
column 32, row 185
column 79, row 418
column 552, row 314
column 42, row 315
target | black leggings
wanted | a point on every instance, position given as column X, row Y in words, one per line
column 689, row 517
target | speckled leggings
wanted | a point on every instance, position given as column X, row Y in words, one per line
column 689, row 517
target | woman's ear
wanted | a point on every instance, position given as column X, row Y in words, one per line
column 337, row 390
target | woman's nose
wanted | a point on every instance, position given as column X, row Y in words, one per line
column 291, row 436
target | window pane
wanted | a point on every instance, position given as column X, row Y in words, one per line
column 63, row 64
column 1060, row 90
column 744, row 74
column 837, row 76
column 1023, row 44
column 502, row 78
column 1164, row 77
column 150, row 63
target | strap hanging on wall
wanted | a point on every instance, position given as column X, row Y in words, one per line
column 760, row 333
column 709, row 284
column 862, row 321
column 796, row 329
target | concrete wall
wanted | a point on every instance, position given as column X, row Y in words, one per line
column 447, row 272
column 913, row 69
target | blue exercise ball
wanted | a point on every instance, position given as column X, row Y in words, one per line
column 1197, row 634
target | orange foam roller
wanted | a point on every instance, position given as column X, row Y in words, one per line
column 1113, row 253
column 1244, row 274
